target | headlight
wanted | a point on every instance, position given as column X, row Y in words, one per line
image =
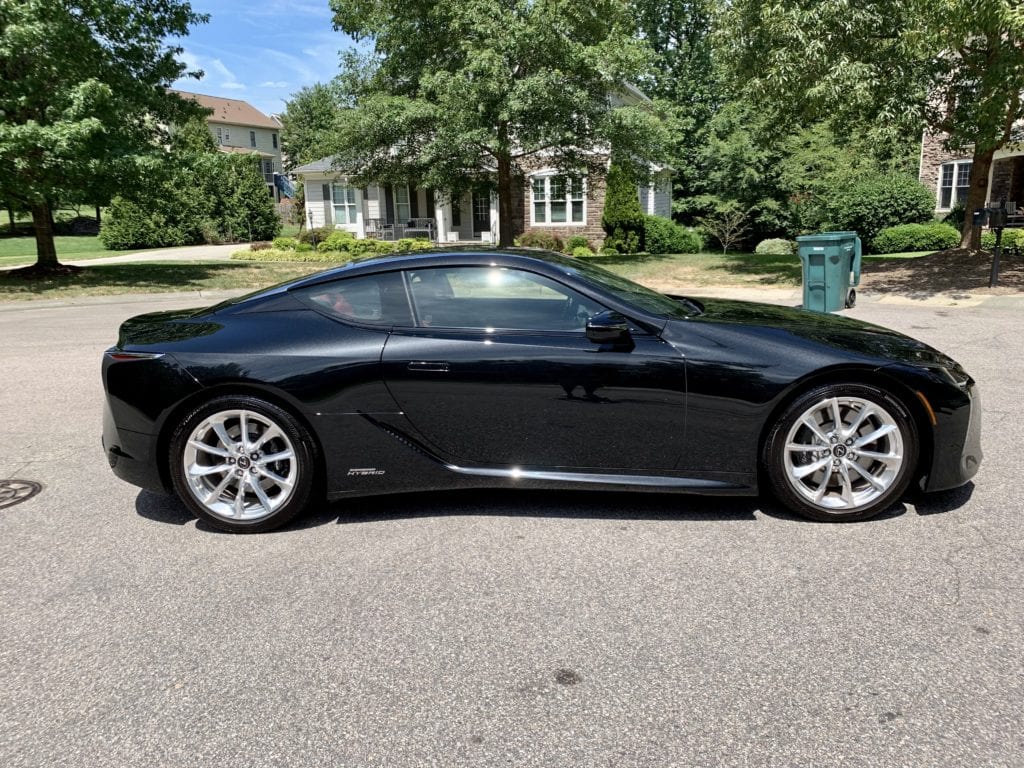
column 952, row 371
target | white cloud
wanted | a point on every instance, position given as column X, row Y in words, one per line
column 274, row 84
column 233, row 86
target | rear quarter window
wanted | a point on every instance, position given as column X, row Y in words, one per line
column 367, row 299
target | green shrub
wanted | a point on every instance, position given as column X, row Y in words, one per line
column 278, row 254
column 303, row 248
column 870, row 205
column 195, row 198
column 540, row 238
column 776, row 246
column 582, row 251
column 406, row 244
column 1012, row 238
column 934, row 236
column 623, row 219
column 262, row 245
column 338, row 240
column 956, row 215
column 605, row 251
column 576, row 241
column 665, row 236
column 285, row 243
column 316, row 235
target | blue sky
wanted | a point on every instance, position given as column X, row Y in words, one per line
column 261, row 51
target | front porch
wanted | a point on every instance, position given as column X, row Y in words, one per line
column 1006, row 183
column 395, row 211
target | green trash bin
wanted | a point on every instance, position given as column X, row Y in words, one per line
column 831, row 267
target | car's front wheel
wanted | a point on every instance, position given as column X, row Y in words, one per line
column 242, row 464
column 842, row 452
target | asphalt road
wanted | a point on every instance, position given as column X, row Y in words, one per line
column 492, row 629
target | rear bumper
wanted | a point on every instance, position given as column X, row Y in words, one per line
column 957, row 455
column 131, row 455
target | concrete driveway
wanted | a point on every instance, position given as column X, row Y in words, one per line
column 497, row 629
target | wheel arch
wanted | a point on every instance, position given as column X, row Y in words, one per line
column 856, row 375
column 237, row 389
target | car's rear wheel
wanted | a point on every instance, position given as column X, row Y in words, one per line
column 242, row 464
column 842, row 452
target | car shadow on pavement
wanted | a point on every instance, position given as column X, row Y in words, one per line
column 943, row 501
column 595, row 505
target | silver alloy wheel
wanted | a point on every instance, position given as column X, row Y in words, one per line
column 844, row 453
column 240, row 465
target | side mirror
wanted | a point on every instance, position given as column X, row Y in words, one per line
column 608, row 327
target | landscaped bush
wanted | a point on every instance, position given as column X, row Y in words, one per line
column 870, row 205
column 934, row 236
column 1012, row 238
column 576, row 241
column 316, row 235
column 338, row 240
column 776, row 246
column 582, row 251
column 285, row 243
column 539, row 238
column 623, row 219
column 305, row 253
column 665, row 236
column 261, row 245
column 406, row 244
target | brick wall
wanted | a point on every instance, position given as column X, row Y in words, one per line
column 933, row 155
column 590, row 229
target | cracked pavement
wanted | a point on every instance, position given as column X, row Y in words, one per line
column 481, row 629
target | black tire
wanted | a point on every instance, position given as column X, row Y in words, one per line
column 276, row 476
column 851, row 299
column 845, row 491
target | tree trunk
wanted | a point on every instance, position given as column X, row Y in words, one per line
column 98, row 219
column 42, row 224
column 976, row 194
column 10, row 218
column 505, row 201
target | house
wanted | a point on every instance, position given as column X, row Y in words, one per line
column 237, row 126
column 548, row 199
column 947, row 173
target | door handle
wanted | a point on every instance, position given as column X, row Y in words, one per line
column 427, row 366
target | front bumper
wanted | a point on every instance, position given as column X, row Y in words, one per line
column 957, row 448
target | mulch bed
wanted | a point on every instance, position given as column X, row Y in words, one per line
column 953, row 271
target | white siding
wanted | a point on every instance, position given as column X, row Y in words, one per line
column 317, row 212
column 646, row 197
column 662, row 203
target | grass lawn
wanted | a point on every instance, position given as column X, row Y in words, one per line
column 153, row 277
column 670, row 273
column 15, row 251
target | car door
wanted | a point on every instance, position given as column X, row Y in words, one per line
column 497, row 371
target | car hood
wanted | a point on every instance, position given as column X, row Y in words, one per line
column 835, row 331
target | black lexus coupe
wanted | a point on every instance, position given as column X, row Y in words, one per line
column 505, row 369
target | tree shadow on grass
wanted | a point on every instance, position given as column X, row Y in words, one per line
column 138, row 277
column 620, row 259
column 768, row 269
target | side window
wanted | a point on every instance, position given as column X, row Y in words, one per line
column 489, row 298
column 372, row 299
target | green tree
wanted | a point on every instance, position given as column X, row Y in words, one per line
column 622, row 218
column 950, row 66
column 308, row 120
column 682, row 76
column 466, row 91
column 84, row 93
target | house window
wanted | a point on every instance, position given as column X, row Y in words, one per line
column 252, row 139
column 344, row 200
column 403, row 207
column 268, row 171
column 558, row 200
column 954, row 181
column 273, row 138
column 220, row 135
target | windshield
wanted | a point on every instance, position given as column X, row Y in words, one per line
column 630, row 292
